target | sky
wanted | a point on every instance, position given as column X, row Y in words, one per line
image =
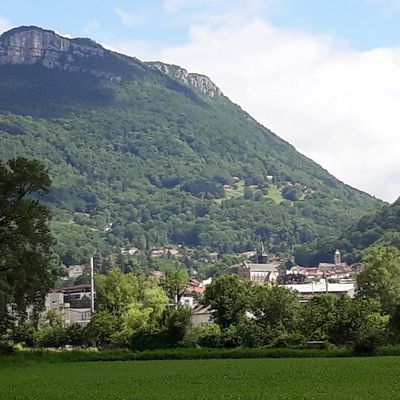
column 323, row 75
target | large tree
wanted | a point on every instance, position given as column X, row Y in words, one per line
column 380, row 277
column 229, row 298
column 26, row 272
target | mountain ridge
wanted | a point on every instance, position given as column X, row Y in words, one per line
column 29, row 45
column 159, row 153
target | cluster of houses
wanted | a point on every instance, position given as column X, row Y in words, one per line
column 337, row 278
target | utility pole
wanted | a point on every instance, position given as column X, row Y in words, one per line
column 91, row 286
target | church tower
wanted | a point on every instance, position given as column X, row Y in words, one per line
column 338, row 260
column 262, row 256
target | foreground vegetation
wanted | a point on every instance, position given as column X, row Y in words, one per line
column 355, row 378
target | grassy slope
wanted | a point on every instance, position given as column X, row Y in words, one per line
column 350, row 378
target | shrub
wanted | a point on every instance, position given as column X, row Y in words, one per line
column 76, row 335
column 24, row 334
column 52, row 336
column 202, row 336
column 101, row 328
column 287, row 339
column 6, row 349
column 146, row 339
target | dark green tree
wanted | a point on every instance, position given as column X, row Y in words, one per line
column 26, row 272
column 276, row 308
column 380, row 278
column 229, row 298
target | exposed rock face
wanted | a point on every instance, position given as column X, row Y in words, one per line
column 28, row 45
column 200, row 82
column 32, row 45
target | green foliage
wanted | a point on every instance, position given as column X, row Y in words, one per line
column 380, row 278
column 276, row 308
column 116, row 292
column 51, row 336
column 150, row 156
column 76, row 335
column 292, row 192
column 229, row 298
column 101, row 328
column 318, row 317
column 373, row 229
column 175, row 284
column 358, row 321
column 26, row 272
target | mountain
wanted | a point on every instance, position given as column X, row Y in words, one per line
column 147, row 154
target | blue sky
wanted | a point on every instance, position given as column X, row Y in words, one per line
column 324, row 75
column 364, row 24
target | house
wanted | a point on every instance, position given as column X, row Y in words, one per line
column 129, row 251
column 188, row 301
column 76, row 291
column 201, row 315
column 55, row 301
column 75, row 270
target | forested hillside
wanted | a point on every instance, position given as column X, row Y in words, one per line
column 145, row 154
column 381, row 227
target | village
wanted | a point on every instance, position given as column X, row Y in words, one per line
column 75, row 306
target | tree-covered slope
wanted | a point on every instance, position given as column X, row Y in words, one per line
column 146, row 154
column 381, row 227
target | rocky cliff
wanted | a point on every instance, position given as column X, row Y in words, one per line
column 28, row 45
column 31, row 45
column 200, row 82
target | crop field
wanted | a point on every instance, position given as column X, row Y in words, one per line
column 345, row 378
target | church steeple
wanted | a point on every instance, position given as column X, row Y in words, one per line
column 262, row 256
column 338, row 259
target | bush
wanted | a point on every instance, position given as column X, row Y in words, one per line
column 6, row 349
column 177, row 321
column 202, row 336
column 252, row 334
column 368, row 342
column 151, row 339
column 24, row 334
column 76, row 335
column 52, row 336
column 121, row 339
column 101, row 328
column 288, row 340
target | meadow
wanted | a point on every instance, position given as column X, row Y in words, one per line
column 318, row 378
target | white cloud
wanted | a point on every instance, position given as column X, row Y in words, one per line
column 5, row 25
column 174, row 5
column 128, row 19
column 336, row 105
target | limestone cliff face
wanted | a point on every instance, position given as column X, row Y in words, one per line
column 33, row 45
column 29, row 45
column 200, row 82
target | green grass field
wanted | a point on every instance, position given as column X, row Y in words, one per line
column 325, row 378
